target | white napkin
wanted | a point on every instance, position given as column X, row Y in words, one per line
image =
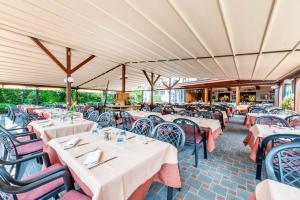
column 71, row 143
column 46, row 124
column 93, row 157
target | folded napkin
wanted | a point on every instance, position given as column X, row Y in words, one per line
column 71, row 143
column 93, row 157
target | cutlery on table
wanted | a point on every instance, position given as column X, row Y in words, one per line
column 80, row 155
column 100, row 163
column 146, row 142
column 130, row 137
column 78, row 145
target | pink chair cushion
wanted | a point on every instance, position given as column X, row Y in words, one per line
column 21, row 139
column 72, row 195
column 30, row 148
column 44, row 189
column 189, row 134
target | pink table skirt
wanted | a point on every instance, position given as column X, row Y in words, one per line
column 167, row 175
column 249, row 121
column 252, row 196
column 254, row 145
column 229, row 112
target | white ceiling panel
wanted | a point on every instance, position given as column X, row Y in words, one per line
column 266, row 63
column 246, row 65
column 172, row 38
column 284, row 28
column 246, row 22
column 291, row 63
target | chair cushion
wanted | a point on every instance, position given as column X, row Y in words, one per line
column 44, row 189
column 21, row 139
column 30, row 148
column 73, row 194
column 189, row 134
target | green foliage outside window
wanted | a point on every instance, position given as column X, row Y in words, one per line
column 14, row 96
column 288, row 103
column 135, row 97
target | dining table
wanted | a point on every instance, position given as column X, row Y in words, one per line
column 49, row 113
column 120, row 169
column 54, row 128
column 259, row 131
column 212, row 127
column 29, row 108
column 250, row 118
column 272, row 190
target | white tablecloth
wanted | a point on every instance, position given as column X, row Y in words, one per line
column 136, row 162
column 273, row 190
column 60, row 129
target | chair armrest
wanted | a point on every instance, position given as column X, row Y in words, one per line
column 43, row 155
column 27, row 142
column 15, row 129
column 16, row 189
column 45, row 175
column 23, row 134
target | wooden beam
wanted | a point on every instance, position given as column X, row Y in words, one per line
column 154, row 82
column 38, row 42
column 98, row 76
column 123, row 78
column 82, row 63
column 166, row 85
column 146, row 75
column 68, row 84
column 175, row 83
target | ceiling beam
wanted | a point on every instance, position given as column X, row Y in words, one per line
column 82, row 63
column 228, row 36
column 147, row 77
column 216, row 56
column 271, row 12
column 98, row 76
column 38, row 42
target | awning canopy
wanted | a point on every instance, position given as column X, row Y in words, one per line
column 218, row 39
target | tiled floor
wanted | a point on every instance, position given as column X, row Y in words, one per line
column 227, row 174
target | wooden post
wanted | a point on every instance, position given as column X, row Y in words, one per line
column 205, row 95
column 123, row 79
column 76, row 95
column 67, row 69
column 151, row 82
column 37, row 96
column 297, row 95
column 211, row 95
column 237, row 95
column 280, row 94
column 68, row 84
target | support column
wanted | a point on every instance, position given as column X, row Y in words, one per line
column 297, row 95
column 68, row 84
column 76, row 95
column 152, row 89
column 280, row 94
column 237, row 95
column 205, row 95
column 37, row 96
column 211, row 95
column 123, row 79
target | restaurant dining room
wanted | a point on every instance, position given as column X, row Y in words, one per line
column 154, row 100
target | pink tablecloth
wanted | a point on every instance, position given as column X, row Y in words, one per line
column 249, row 120
column 29, row 109
column 127, row 177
